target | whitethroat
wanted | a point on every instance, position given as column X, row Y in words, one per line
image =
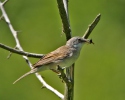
column 63, row 56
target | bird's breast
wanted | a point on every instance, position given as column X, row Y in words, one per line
column 68, row 61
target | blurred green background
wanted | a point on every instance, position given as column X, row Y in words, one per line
column 100, row 69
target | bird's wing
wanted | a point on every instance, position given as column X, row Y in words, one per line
column 58, row 54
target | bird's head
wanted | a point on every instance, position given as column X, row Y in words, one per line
column 77, row 42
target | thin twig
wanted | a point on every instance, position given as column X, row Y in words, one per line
column 10, row 53
column 5, row 2
column 21, row 52
column 14, row 33
column 92, row 26
column 49, row 87
column 63, row 9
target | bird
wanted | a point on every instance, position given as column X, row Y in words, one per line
column 63, row 56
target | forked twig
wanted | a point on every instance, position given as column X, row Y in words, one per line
column 18, row 46
column 14, row 50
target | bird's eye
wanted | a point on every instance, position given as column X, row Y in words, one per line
column 79, row 40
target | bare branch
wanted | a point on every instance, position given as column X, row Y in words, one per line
column 14, row 33
column 69, row 86
column 49, row 87
column 21, row 52
column 5, row 2
column 63, row 9
column 92, row 26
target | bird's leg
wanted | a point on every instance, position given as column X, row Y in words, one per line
column 60, row 70
column 62, row 74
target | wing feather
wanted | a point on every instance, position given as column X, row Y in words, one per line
column 58, row 54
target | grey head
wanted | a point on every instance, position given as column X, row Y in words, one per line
column 77, row 42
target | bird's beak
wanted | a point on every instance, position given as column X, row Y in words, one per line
column 89, row 41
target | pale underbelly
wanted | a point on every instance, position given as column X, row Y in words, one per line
column 67, row 62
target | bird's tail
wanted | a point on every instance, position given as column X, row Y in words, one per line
column 26, row 74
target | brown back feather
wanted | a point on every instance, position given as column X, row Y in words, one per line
column 58, row 54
